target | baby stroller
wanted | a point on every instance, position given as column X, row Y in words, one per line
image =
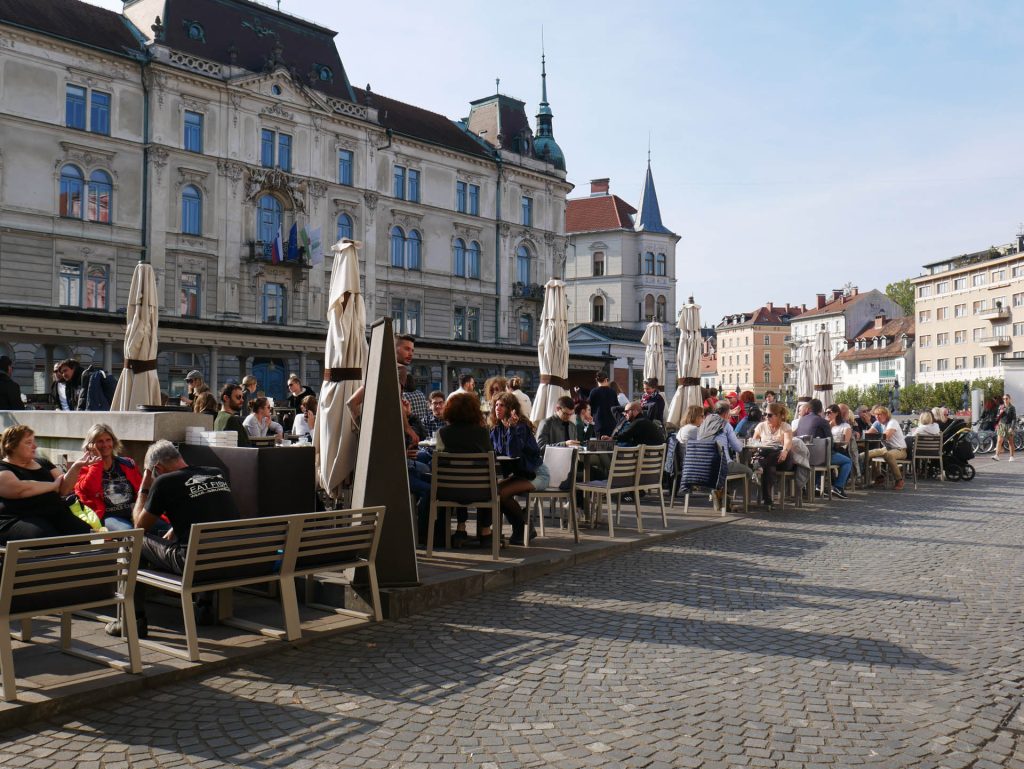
column 957, row 454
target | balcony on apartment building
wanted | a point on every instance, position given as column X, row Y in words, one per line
column 995, row 313
column 1002, row 340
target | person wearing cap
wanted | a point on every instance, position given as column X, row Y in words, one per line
column 10, row 391
column 193, row 380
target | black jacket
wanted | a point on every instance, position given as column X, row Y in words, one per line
column 10, row 394
column 640, row 432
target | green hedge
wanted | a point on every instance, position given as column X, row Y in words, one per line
column 918, row 397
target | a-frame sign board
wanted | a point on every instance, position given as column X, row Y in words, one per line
column 381, row 477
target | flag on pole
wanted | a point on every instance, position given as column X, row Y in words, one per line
column 316, row 246
column 277, row 251
column 293, row 243
column 304, row 241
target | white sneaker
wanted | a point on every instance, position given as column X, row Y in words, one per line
column 1010, row 459
column 995, row 458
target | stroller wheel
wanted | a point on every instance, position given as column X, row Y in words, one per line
column 967, row 472
column 954, row 472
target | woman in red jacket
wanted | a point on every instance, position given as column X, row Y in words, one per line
column 111, row 485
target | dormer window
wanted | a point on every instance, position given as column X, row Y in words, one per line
column 195, row 31
column 275, row 89
column 324, row 73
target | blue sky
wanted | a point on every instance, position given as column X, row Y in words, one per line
column 797, row 146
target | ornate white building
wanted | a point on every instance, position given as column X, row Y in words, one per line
column 191, row 133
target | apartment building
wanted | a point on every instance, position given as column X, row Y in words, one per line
column 752, row 348
column 882, row 354
column 969, row 313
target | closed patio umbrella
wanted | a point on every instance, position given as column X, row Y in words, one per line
column 344, row 370
column 654, row 352
column 687, row 364
column 823, row 367
column 805, row 372
column 552, row 351
column 139, row 384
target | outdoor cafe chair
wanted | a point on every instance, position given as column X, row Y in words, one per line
column 463, row 480
column 821, row 466
column 928, row 448
column 561, row 464
column 650, row 469
column 62, row 575
column 621, row 480
column 700, row 454
column 907, row 463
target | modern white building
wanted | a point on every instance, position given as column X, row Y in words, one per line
column 882, row 354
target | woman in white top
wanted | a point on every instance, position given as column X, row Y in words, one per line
column 842, row 432
column 259, row 424
column 894, row 446
column 304, row 422
column 775, row 435
column 926, row 425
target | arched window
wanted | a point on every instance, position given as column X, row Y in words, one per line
column 397, row 247
column 473, row 260
column 597, row 310
column 344, row 226
column 661, row 265
column 460, row 257
column 598, row 263
column 191, row 211
column 101, row 194
column 662, row 309
column 523, row 265
column 649, row 263
column 269, row 218
column 648, row 307
column 413, row 250
column 72, row 190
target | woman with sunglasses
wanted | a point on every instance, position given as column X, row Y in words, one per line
column 775, row 435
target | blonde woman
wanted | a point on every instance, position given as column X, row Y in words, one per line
column 691, row 423
column 894, row 445
column 775, row 434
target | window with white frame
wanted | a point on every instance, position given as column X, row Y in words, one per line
column 959, row 284
column 461, row 197
column 941, row 339
column 924, row 316
column 275, row 149
column 459, row 257
column 979, row 361
column 192, row 132
column 92, row 199
column 473, row 260
column 960, row 363
column 191, row 210
column 942, row 287
column 85, row 286
column 960, row 311
column 660, row 265
column 523, row 259
column 346, row 160
column 941, row 313
column 942, row 364
column 960, row 337
column 269, row 219
column 661, row 310
column 597, row 309
column 345, row 229
column 978, row 279
column 924, row 366
column 273, row 304
column 526, row 211
column 598, row 263
column 648, row 268
column 406, row 315
column 924, row 291
column 406, row 249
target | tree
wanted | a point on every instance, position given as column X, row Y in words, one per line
column 902, row 293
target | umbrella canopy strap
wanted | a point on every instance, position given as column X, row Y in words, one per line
column 343, row 374
column 688, row 381
column 822, row 388
column 140, row 366
column 555, row 380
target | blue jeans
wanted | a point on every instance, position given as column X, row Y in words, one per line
column 845, row 465
column 113, row 523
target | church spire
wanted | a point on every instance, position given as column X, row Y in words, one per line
column 650, row 212
column 544, row 145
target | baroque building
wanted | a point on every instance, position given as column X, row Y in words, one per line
column 197, row 133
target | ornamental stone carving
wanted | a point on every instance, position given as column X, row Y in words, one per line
column 275, row 180
column 276, row 110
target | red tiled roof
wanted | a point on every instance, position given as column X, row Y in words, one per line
column 774, row 316
column 836, row 305
column 603, row 212
column 892, row 331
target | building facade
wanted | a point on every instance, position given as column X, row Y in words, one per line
column 625, row 353
column 845, row 313
column 969, row 313
column 620, row 268
column 195, row 135
column 752, row 351
column 882, row 354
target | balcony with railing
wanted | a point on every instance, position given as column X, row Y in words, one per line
column 995, row 313
column 531, row 291
column 263, row 252
column 1001, row 340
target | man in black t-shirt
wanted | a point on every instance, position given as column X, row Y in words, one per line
column 185, row 495
column 602, row 401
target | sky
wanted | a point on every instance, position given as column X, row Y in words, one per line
column 797, row 146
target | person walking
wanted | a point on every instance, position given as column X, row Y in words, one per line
column 1006, row 424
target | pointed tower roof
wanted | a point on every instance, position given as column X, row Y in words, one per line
column 650, row 212
column 544, row 145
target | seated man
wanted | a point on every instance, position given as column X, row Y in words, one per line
column 559, row 429
column 635, row 429
column 259, row 424
column 184, row 495
column 227, row 418
column 813, row 425
column 435, row 419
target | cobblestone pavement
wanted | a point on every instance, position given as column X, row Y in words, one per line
column 885, row 631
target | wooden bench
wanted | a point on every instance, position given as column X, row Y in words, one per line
column 61, row 575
